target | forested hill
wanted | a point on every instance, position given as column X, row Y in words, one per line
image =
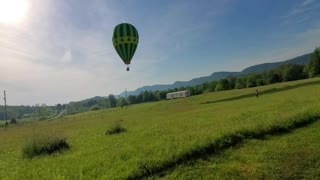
column 268, row 66
column 220, row 75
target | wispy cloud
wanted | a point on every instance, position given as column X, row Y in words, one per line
column 307, row 2
column 67, row 57
column 53, row 58
column 302, row 12
column 63, row 51
column 304, row 42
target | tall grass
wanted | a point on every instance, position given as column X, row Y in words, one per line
column 293, row 155
column 231, row 139
column 116, row 129
column 44, row 145
column 160, row 133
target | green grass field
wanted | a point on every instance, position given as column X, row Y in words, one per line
column 158, row 134
column 290, row 156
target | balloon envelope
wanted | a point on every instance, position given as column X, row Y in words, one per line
column 125, row 40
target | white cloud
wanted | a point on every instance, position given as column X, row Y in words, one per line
column 307, row 2
column 49, row 59
column 67, row 57
column 58, row 55
column 301, row 12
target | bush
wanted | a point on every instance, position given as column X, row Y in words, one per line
column 13, row 121
column 44, row 145
column 116, row 129
column 95, row 108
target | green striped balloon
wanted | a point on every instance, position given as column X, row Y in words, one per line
column 125, row 40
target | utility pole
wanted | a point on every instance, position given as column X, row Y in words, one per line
column 5, row 106
column 38, row 107
column 127, row 100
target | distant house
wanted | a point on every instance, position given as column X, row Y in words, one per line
column 179, row 94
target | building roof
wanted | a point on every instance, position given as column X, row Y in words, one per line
column 178, row 92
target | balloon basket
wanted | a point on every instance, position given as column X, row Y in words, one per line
column 128, row 68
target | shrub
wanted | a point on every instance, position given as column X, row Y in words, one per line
column 116, row 129
column 95, row 108
column 44, row 145
column 13, row 121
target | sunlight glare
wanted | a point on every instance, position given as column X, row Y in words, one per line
column 13, row 11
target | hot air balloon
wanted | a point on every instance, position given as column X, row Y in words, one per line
column 125, row 40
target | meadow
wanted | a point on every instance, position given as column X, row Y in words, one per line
column 158, row 135
column 288, row 156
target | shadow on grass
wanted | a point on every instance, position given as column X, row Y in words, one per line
column 117, row 128
column 221, row 144
column 270, row 91
column 44, row 145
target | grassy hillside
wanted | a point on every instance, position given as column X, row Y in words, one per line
column 290, row 156
column 259, row 68
column 158, row 134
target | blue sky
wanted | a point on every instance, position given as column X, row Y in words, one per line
column 62, row 50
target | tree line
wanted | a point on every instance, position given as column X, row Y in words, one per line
column 284, row 73
column 24, row 112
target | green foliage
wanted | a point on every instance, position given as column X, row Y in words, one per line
column 312, row 69
column 223, row 84
column 290, row 156
column 288, row 72
column 17, row 111
column 160, row 132
column 314, row 64
column 95, row 108
column 60, row 107
column 293, row 72
column 241, row 82
column 232, row 82
column 252, row 80
column 116, row 129
column 42, row 145
column 13, row 121
column 112, row 101
column 122, row 102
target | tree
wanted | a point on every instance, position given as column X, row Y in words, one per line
column 132, row 99
column 204, row 86
column 59, row 107
column 252, row 80
column 259, row 80
column 122, row 102
column 95, row 108
column 13, row 121
column 241, row 82
column 91, row 103
column 112, row 101
column 212, row 86
column 191, row 90
column 162, row 94
column 293, row 72
column 146, row 96
column 223, row 84
column 275, row 78
column 232, row 82
column 314, row 64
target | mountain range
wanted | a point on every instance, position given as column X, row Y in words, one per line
column 303, row 59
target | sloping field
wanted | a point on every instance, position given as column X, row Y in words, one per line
column 289, row 156
column 159, row 135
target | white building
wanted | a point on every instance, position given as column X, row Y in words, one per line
column 179, row 94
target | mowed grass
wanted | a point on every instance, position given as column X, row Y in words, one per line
column 289, row 156
column 157, row 133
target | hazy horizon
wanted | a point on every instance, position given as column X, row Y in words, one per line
column 57, row 52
